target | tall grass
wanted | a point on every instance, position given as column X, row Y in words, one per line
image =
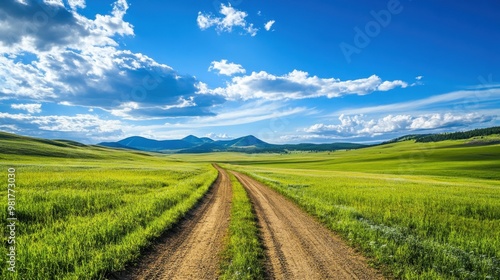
column 243, row 257
column 418, row 228
column 83, row 220
column 418, row 210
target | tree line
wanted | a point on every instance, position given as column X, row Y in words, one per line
column 459, row 135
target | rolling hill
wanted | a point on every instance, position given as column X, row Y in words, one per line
column 193, row 144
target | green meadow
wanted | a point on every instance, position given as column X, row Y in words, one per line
column 85, row 211
column 418, row 210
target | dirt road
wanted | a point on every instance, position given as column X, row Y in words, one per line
column 297, row 246
column 193, row 250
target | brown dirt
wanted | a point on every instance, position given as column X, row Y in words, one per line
column 297, row 246
column 193, row 250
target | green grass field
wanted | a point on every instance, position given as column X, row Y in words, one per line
column 85, row 211
column 419, row 210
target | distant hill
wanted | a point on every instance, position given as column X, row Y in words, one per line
column 405, row 138
column 21, row 145
column 17, row 145
column 197, row 141
column 459, row 135
column 247, row 144
column 146, row 144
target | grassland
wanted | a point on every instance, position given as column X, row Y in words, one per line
column 244, row 255
column 86, row 211
column 419, row 210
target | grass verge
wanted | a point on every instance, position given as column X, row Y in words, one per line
column 243, row 256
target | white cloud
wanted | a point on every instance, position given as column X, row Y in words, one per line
column 74, row 4
column 110, row 25
column 81, row 127
column 388, row 85
column 219, row 136
column 360, row 125
column 249, row 112
column 54, row 2
column 231, row 18
column 418, row 78
column 448, row 120
column 30, row 108
column 298, row 85
column 226, row 68
column 77, row 60
column 269, row 25
column 9, row 127
column 458, row 99
column 78, row 123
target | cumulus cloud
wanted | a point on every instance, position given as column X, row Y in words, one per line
column 36, row 26
column 74, row 4
column 388, row 85
column 30, row 108
column 225, row 68
column 298, row 85
column 360, row 125
column 79, row 127
column 269, row 25
column 218, row 136
column 230, row 19
column 77, row 61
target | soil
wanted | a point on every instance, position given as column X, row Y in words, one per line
column 193, row 250
column 297, row 246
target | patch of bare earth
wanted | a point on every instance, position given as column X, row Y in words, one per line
column 297, row 246
column 192, row 250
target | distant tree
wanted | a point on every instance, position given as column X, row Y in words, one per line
column 459, row 135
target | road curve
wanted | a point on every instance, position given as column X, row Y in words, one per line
column 192, row 251
column 297, row 246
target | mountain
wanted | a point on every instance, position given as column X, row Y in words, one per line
column 145, row 144
column 246, row 141
column 197, row 141
column 193, row 144
column 250, row 141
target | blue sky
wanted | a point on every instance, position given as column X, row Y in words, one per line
column 284, row 71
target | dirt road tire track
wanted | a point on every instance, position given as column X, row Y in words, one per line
column 192, row 250
column 297, row 246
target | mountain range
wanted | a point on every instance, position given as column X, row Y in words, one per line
column 193, row 144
